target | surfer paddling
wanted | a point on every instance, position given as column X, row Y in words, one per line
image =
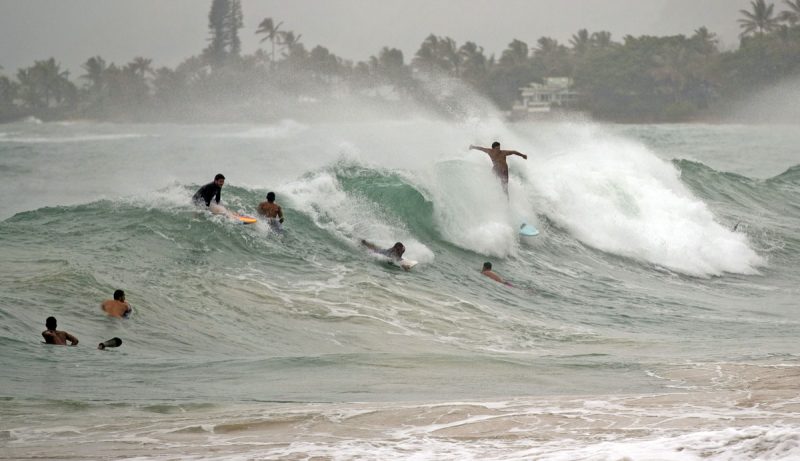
column 53, row 336
column 499, row 163
column 209, row 192
column 116, row 307
column 395, row 252
column 272, row 211
column 487, row 271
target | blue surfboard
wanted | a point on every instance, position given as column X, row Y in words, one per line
column 528, row 230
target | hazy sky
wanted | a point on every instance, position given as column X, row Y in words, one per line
column 170, row 30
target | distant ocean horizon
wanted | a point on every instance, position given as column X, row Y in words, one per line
column 654, row 317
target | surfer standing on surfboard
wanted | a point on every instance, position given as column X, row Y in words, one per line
column 212, row 190
column 499, row 163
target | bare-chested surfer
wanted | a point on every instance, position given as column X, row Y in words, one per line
column 500, row 165
column 116, row 307
column 487, row 271
column 272, row 211
column 53, row 336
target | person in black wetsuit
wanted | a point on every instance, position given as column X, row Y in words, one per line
column 212, row 190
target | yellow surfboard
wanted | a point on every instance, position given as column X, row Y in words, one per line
column 244, row 219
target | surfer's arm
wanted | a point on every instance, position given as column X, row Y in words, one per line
column 482, row 149
column 280, row 214
column 73, row 340
column 494, row 276
column 513, row 152
column 218, row 196
column 369, row 245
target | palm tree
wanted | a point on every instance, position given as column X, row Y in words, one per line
column 668, row 69
column 551, row 56
column 141, row 66
column 705, row 41
column 270, row 31
column 135, row 78
column 474, row 63
column 390, row 64
column 95, row 67
column 761, row 19
column 322, row 63
column 233, row 22
column 580, row 42
column 792, row 15
column 447, row 52
column 547, row 45
column 44, row 82
column 28, row 88
column 601, row 39
column 425, row 57
column 290, row 42
column 516, row 54
column 166, row 83
column 8, row 91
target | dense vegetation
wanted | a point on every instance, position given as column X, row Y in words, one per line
column 640, row 78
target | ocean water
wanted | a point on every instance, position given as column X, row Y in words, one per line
column 654, row 318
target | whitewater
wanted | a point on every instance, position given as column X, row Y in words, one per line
column 654, row 317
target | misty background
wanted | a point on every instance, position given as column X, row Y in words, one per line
column 170, row 31
column 245, row 61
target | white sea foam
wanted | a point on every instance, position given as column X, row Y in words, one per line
column 70, row 139
column 617, row 196
column 735, row 444
column 471, row 210
column 349, row 217
column 284, row 129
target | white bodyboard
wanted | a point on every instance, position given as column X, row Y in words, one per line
column 528, row 230
column 406, row 264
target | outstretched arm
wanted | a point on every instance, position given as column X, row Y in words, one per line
column 369, row 245
column 513, row 152
column 482, row 149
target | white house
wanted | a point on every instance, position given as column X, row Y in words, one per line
column 542, row 98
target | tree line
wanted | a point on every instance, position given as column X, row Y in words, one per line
column 645, row 78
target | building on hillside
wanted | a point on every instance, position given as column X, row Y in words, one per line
column 543, row 99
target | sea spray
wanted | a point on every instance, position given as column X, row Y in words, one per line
column 617, row 196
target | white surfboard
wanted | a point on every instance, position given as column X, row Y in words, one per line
column 528, row 230
column 406, row 264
